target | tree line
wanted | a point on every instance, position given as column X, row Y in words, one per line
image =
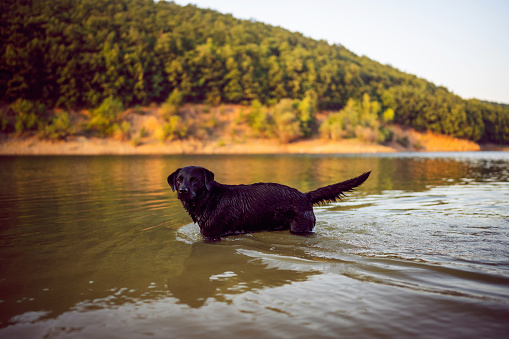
column 78, row 53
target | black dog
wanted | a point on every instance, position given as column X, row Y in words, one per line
column 232, row 209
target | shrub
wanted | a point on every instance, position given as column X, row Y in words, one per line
column 175, row 98
column 332, row 127
column 160, row 135
column 175, row 128
column 172, row 104
column 212, row 122
column 387, row 134
column 213, row 97
column 59, row 127
column 136, row 141
column 167, row 110
column 356, row 120
column 258, row 118
column 403, row 141
column 143, row 132
column 105, row 117
column 287, row 125
column 122, row 131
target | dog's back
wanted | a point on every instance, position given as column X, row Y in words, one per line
column 252, row 208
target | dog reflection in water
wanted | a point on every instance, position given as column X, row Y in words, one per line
column 216, row 272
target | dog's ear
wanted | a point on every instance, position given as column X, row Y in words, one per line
column 209, row 177
column 172, row 178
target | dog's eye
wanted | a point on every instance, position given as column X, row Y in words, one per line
column 192, row 180
column 179, row 180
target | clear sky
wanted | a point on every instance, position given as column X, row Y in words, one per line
column 462, row 45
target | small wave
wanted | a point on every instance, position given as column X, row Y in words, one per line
column 189, row 234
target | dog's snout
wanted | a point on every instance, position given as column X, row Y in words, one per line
column 183, row 190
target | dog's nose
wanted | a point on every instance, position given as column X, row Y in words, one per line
column 183, row 190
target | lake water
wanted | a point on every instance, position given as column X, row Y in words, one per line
column 99, row 247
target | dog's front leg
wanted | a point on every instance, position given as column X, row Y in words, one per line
column 213, row 228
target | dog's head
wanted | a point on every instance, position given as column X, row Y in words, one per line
column 190, row 182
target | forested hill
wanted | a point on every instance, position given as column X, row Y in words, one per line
column 77, row 53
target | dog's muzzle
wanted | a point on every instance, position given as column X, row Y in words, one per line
column 184, row 193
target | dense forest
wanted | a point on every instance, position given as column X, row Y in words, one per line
column 72, row 54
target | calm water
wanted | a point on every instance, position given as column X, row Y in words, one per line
column 101, row 247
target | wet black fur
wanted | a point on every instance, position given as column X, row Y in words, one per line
column 231, row 209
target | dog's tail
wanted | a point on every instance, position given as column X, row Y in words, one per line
column 334, row 192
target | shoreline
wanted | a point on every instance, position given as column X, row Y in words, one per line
column 79, row 145
column 96, row 146
column 217, row 130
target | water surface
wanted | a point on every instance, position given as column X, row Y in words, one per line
column 101, row 247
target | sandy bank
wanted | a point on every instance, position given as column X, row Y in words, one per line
column 94, row 146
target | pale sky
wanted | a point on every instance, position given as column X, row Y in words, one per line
column 462, row 45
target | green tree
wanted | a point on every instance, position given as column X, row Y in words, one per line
column 308, row 107
column 233, row 91
column 258, row 118
column 275, row 79
column 388, row 115
column 27, row 115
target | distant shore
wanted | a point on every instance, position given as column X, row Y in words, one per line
column 79, row 145
column 219, row 132
column 84, row 146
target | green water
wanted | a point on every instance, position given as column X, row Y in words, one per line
column 101, row 247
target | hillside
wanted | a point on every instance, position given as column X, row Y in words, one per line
column 60, row 55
